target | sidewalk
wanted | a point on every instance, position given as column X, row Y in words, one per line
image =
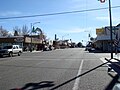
column 116, row 56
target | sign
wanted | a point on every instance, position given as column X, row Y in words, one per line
column 18, row 39
column 102, row 1
column 100, row 31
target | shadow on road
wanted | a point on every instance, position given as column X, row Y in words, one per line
column 36, row 86
column 51, row 86
column 113, row 82
column 66, row 82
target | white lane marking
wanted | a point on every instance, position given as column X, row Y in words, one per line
column 39, row 63
column 103, row 60
column 76, row 84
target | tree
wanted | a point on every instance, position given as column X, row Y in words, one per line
column 21, row 31
column 17, row 31
column 25, row 30
column 3, row 32
column 79, row 44
column 91, row 38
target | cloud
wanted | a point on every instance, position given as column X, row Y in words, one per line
column 1, row 22
column 74, row 1
column 11, row 32
column 102, row 18
column 114, row 19
column 76, row 4
column 77, row 30
column 10, row 13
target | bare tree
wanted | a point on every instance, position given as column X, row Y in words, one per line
column 3, row 32
column 21, row 31
column 25, row 30
column 17, row 31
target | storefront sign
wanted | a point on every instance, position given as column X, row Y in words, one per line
column 18, row 39
column 100, row 31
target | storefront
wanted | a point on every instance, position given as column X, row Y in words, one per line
column 25, row 42
column 16, row 40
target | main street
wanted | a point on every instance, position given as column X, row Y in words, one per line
column 54, row 70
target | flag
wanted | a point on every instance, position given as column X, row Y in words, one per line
column 116, row 42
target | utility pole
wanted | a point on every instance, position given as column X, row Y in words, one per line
column 110, row 16
column 111, row 37
column 31, row 39
column 32, row 27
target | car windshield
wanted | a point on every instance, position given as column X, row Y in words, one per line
column 7, row 47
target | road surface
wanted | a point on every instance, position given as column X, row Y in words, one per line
column 55, row 70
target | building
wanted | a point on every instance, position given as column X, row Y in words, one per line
column 103, row 39
column 11, row 40
column 26, row 42
column 61, row 44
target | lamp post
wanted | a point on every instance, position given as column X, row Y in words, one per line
column 89, row 34
column 32, row 27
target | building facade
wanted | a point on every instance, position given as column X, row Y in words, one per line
column 25, row 42
column 103, row 39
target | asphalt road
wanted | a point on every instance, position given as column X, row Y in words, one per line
column 55, row 70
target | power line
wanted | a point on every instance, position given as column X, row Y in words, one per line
column 59, row 13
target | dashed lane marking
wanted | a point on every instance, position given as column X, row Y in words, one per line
column 76, row 84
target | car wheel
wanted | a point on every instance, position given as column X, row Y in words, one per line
column 1, row 55
column 10, row 54
column 19, row 53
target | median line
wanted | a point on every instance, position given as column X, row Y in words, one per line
column 76, row 84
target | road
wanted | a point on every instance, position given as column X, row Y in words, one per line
column 54, row 70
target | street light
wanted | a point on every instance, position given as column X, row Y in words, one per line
column 32, row 27
column 89, row 35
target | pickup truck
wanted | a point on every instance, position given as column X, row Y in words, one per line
column 10, row 50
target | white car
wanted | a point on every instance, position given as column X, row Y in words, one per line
column 10, row 50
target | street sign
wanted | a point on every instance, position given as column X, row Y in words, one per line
column 102, row 1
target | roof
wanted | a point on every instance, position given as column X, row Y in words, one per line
column 118, row 25
column 11, row 36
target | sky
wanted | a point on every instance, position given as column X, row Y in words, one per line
column 74, row 26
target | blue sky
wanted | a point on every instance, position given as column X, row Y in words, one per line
column 75, row 26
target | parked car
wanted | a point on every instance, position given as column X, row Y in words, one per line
column 10, row 50
column 46, row 48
